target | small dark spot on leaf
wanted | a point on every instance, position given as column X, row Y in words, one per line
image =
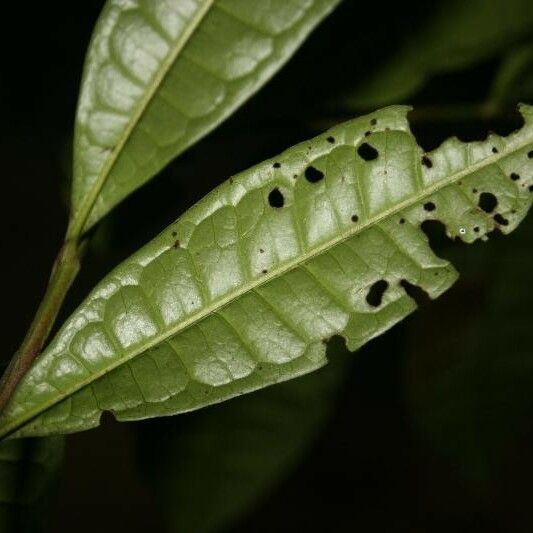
column 530, row 188
column 275, row 198
column 374, row 121
column 376, row 292
column 174, row 233
column 474, row 191
column 514, row 176
column 530, row 154
column 494, row 150
column 176, row 244
column 501, row 220
column 476, row 229
column 313, row 175
column 331, row 140
column 368, row 133
column 488, row 202
column 426, row 161
column 276, row 165
column 430, row 206
column 261, row 251
column 295, row 176
column 264, row 271
column 367, row 152
column 355, row 218
column 402, row 220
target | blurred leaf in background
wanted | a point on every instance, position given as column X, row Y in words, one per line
column 211, row 467
column 470, row 392
column 514, row 79
column 28, row 468
column 455, row 35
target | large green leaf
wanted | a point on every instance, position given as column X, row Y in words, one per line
column 243, row 289
column 243, row 448
column 27, row 467
column 455, row 35
column 160, row 75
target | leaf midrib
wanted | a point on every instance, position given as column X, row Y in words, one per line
column 276, row 272
column 77, row 226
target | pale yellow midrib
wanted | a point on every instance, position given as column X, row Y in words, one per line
column 77, row 226
column 215, row 306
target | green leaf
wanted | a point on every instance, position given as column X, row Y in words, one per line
column 476, row 410
column 160, row 75
column 514, row 80
column 242, row 291
column 456, row 35
column 27, row 467
column 243, row 448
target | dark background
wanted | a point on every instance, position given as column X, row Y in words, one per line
column 432, row 428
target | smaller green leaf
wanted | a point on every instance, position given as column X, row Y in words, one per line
column 213, row 466
column 159, row 75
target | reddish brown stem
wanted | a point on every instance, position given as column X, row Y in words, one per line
column 65, row 269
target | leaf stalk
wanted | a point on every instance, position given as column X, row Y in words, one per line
column 64, row 271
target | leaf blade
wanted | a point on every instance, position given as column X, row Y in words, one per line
column 239, row 293
column 158, row 78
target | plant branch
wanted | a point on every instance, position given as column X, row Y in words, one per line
column 64, row 271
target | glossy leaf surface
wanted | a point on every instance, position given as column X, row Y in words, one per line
column 243, row 289
column 160, row 75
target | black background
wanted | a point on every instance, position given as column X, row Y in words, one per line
column 371, row 469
